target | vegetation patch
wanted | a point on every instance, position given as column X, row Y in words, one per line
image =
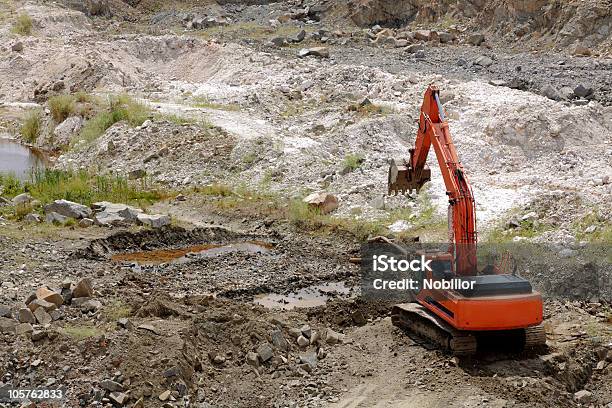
column 352, row 162
column 118, row 108
column 23, row 24
column 243, row 30
column 83, row 187
column 117, row 310
column 61, row 107
column 367, row 108
column 203, row 102
column 503, row 233
column 593, row 227
column 298, row 213
column 81, row 332
column 30, row 129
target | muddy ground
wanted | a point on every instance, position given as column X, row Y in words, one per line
column 238, row 305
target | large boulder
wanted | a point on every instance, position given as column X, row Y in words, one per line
column 108, row 219
column 322, row 52
column 23, row 198
column 323, row 202
column 68, row 209
column 476, row 39
column 7, row 325
column 114, row 214
column 65, row 131
column 55, row 218
column 154, row 220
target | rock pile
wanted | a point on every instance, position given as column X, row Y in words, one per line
column 297, row 350
column 102, row 213
column 400, row 38
column 45, row 306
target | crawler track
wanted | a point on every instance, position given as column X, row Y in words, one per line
column 418, row 321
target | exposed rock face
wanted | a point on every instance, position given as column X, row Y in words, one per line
column 565, row 23
column 394, row 13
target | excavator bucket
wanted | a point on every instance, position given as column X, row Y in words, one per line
column 403, row 179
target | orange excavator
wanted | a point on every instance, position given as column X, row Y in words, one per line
column 491, row 304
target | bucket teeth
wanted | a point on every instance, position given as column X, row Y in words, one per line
column 402, row 177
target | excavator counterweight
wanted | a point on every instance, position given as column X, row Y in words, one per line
column 500, row 306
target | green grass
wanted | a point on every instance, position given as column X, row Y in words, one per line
column 116, row 311
column 22, row 210
column 218, row 190
column 203, row 123
column 30, row 129
column 603, row 232
column 311, row 219
column 23, row 24
column 526, row 229
column 83, row 97
column 262, row 203
column 250, row 158
column 83, row 187
column 119, row 108
column 203, row 102
column 61, row 107
column 245, row 29
column 81, row 332
column 352, row 162
column 10, row 185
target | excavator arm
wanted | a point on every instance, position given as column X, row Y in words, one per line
column 406, row 175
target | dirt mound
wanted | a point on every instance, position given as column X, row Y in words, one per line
column 155, row 145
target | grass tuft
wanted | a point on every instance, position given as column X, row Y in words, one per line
column 119, row 108
column 30, row 129
column 61, row 107
column 23, row 25
column 203, row 102
column 10, row 185
column 369, row 109
column 81, row 332
column 117, row 310
column 352, row 162
column 603, row 229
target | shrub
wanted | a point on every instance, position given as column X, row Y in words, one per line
column 23, row 25
column 352, row 162
column 61, row 107
column 10, row 185
column 30, row 129
column 119, row 108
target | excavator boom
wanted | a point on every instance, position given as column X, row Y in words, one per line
column 411, row 174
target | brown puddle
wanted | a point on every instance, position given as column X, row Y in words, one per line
column 160, row 256
column 311, row 296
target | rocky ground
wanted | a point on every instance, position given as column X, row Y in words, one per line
column 240, row 124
